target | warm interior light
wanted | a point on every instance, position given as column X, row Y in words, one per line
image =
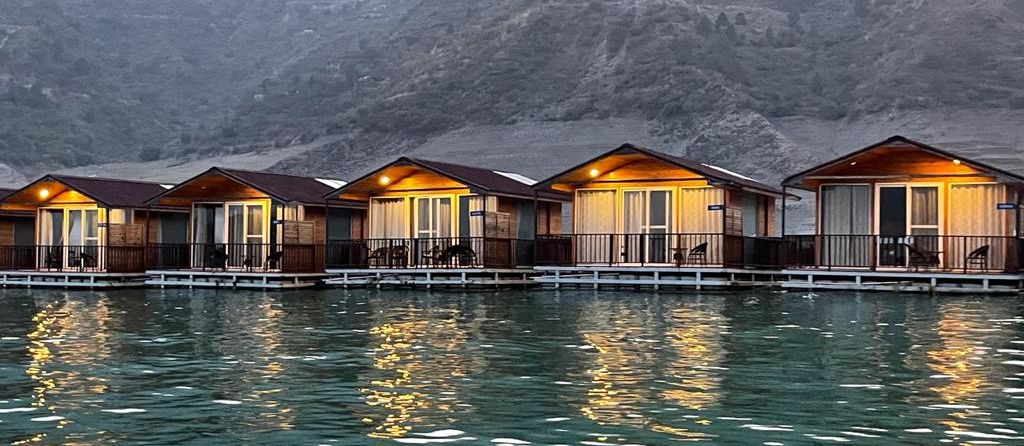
column 957, row 162
column 853, row 163
column 594, row 173
column 385, row 180
column 44, row 193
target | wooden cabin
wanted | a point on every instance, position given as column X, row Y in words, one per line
column 902, row 204
column 430, row 214
column 84, row 224
column 250, row 221
column 636, row 206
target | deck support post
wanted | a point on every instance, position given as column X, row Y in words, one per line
column 558, row 279
column 429, row 280
column 699, row 280
column 597, row 276
column 657, row 280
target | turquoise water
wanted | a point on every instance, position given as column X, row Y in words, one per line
column 412, row 367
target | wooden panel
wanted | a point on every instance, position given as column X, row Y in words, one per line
column 6, row 233
column 317, row 216
column 298, row 232
column 497, row 224
column 734, row 221
column 623, row 170
column 127, row 234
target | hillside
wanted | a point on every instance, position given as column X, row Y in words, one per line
column 760, row 86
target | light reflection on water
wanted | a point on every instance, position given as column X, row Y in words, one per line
column 375, row 368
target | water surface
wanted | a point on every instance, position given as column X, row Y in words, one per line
column 539, row 367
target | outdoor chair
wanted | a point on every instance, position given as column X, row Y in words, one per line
column 274, row 260
column 379, row 255
column 53, row 261
column 433, row 256
column 697, row 255
column 978, row 257
column 464, row 255
column 217, row 259
column 86, row 260
column 398, row 256
column 921, row 257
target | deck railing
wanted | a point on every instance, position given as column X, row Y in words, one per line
column 73, row 258
column 243, row 257
column 675, row 249
column 943, row 253
column 434, row 252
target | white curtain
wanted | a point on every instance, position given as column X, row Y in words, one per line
column 387, row 218
column 846, row 226
column 443, row 216
column 696, row 217
column 595, row 224
column 973, row 213
column 697, row 222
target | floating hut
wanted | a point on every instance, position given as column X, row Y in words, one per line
column 250, row 229
column 904, row 215
column 86, row 232
column 435, row 223
column 643, row 217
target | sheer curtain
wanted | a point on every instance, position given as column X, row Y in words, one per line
column 845, row 217
column 595, row 224
column 387, row 218
column 698, row 222
column 973, row 212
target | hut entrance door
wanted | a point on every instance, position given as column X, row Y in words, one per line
column 646, row 223
column 892, row 225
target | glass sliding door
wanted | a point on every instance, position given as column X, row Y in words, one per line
column 51, row 239
column 702, row 229
column 646, row 221
column 70, row 238
column 229, row 235
column 892, row 225
column 924, row 226
column 433, row 223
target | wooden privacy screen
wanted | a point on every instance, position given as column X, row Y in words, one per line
column 298, row 232
column 127, row 234
column 733, row 221
column 498, row 225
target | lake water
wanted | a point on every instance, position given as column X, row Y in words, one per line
column 522, row 367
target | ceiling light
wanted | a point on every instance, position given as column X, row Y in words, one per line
column 44, row 193
column 594, row 173
column 385, row 180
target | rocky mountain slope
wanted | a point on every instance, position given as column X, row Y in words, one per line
column 760, row 86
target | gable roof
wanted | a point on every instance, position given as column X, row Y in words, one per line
column 794, row 180
column 282, row 187
column 478, row 179
column 4, row 192
column 713, row 174
column 109, row 192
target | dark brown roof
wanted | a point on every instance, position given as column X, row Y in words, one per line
column 794, row 180
column 281, row 187
column 111, row 192
column 284, row 187
column 478, row 179
column 713, row 174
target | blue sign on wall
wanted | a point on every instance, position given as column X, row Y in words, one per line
column 476, row 214
column 1006, row 206
column 716, row 207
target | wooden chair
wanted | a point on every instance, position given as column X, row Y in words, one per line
column 978, row 257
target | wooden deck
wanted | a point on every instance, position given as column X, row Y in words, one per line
column 71, row 279
column 233, row 279
column 429, row 278
column 654, row 278
column 903, row 282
